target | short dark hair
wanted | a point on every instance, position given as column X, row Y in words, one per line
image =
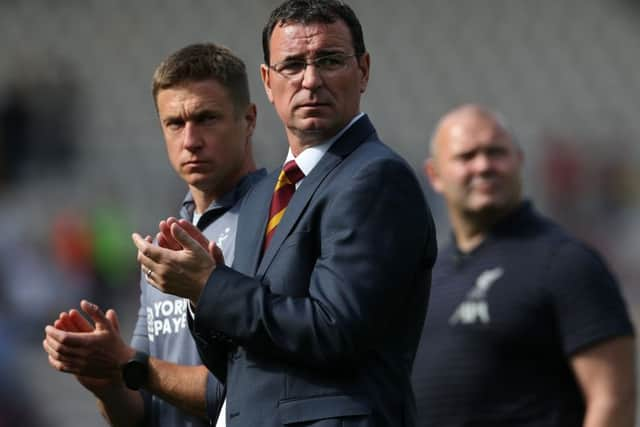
column 204, row 61
column 313, row 11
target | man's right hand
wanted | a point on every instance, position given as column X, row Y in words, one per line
column 94, row 352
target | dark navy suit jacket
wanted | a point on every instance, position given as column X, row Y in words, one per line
column 322, row 329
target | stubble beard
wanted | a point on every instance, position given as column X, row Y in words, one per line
column 309, row 137
column 487, row 216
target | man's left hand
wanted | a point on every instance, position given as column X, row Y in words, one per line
column 182, row 267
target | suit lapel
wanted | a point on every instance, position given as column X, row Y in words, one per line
column 351, row 139
column 251, row 225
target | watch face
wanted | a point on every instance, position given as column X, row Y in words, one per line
column 132, row 374
column 135, row 371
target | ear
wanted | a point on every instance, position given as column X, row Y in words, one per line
column 250, row 115
column 364, row 64
column 266, row 81
column 431, row 171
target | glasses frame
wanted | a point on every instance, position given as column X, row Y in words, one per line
column 315, row 62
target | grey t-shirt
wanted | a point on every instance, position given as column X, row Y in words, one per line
column 162, row 330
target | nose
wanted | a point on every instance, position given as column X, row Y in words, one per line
column 482, row 163
column 311, row 77
column 192, row 140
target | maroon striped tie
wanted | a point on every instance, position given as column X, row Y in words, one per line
column 283, row 192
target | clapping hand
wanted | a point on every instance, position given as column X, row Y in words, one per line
column 182, row 261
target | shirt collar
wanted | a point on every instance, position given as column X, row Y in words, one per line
column 228, row 199
column 514, row 220
column 311, row 156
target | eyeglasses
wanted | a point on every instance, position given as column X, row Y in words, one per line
column 294, row 68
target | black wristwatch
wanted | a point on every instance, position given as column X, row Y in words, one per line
column 136, row 371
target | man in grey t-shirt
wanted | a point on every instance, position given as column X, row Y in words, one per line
column 202, row 98
column 161, row 329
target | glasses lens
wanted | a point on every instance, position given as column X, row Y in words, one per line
column 331, row 62
column 290, row 68
column 294, row 68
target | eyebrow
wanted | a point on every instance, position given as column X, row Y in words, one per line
column 198, row 114
column 318, row 54
column 204, row 113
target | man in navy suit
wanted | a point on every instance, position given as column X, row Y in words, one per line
column 318, row 321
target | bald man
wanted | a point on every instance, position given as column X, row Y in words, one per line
column 526, row 325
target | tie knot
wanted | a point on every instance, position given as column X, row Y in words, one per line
column 292, row 171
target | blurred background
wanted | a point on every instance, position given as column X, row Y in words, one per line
column 82, row 160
